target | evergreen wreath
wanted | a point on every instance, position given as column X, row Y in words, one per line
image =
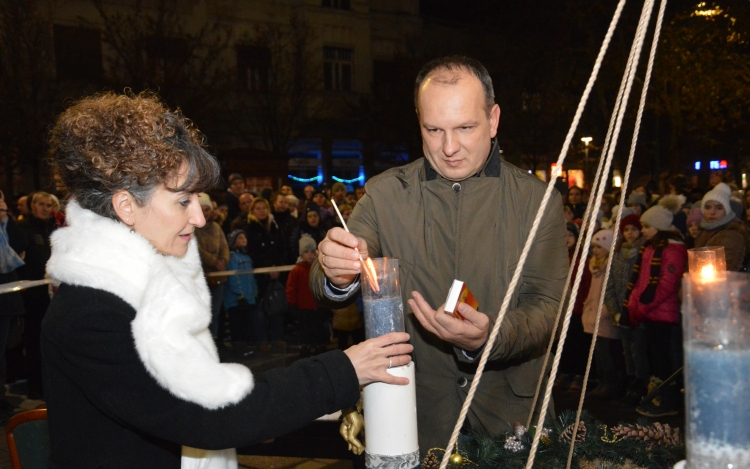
column 650, row 446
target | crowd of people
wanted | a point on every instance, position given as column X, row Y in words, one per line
column 639, row 336
column 243, row 231
column 639, row 340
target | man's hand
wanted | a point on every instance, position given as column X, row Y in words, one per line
column 339, row 258
column 468, row 334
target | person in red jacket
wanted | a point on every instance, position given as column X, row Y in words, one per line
column 653, row 299
column 311, row 316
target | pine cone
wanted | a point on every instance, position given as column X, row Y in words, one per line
column 431, row 461
column 656, row 434
column 567, row 434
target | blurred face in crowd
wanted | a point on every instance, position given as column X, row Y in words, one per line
column 319, row 199
column 713, row 211
column 631, row 234
column 694, row 229
column 648, row 231
column 280, row 204
column 574, row 195
column 240, row 241
column 351, row 198
column 23, row 209
column 167, row 221
column 457, row 128
column 599, row 252
column 313, row 219
column 260, row 211
column 605, row 207
column 346, row 214
column 285, row 190
column 568, row 213
column 207, row 212
column 637, row 208
column 245, row 201
column 42, row 208
column 309, row 191
column 309, row 256
column 237, row 187
column 715, row 178
column 359, row 192
column 570, row 240
column 339, row 195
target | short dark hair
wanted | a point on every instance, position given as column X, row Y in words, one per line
column 109, row 142
column 457, row 62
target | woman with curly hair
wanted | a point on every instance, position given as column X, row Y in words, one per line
column 132, row 376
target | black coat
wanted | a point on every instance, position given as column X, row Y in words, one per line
column 107, row 411
column 38, row 248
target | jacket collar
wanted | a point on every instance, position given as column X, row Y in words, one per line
column 491, row 167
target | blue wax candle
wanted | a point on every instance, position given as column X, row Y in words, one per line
column 383, row 315
column 718, row 406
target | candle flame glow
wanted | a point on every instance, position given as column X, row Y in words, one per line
column 708, row 272
column 372, row 274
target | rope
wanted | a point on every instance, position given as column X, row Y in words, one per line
column 532, row 234
column 26, row 284
column 628, row 79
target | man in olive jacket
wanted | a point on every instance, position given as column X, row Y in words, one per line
column 459, row 213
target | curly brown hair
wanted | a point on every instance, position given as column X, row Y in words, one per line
column 110, row 142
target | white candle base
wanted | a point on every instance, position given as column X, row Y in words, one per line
column 391, row 419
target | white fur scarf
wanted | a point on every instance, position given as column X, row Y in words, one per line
column 173, row 312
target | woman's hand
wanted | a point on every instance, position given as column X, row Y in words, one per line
column 372, row 358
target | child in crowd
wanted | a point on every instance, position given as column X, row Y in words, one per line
column 577, row 343
column 608, row 336
column 653, row 300
column 311, row 317
column 633, row 338
column 694, row 219
column 240, row 290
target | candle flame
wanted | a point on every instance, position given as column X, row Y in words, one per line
column 708, row 272
column 372, row 275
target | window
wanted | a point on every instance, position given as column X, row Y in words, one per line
column 337, row 69
column 253, row 67
column 340, row 4
column 78, row 55
column 167, row 59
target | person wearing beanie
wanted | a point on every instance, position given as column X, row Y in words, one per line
column 310, row 224
column 310, row 316
column 633, row 339
column 611, row 379
column 722, row 228
column 694, row 220
column 576, row 350
column 214, row 254
column 235, row 188
column 637, row 201
column 241, row 291
column 652, row 299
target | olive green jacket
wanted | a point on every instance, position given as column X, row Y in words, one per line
column 475, row 232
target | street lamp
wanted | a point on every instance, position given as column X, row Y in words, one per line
column 586, row 141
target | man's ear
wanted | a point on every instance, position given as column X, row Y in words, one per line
column 124, row 205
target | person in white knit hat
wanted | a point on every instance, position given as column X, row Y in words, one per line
column 653, row 300
column 722, row 228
